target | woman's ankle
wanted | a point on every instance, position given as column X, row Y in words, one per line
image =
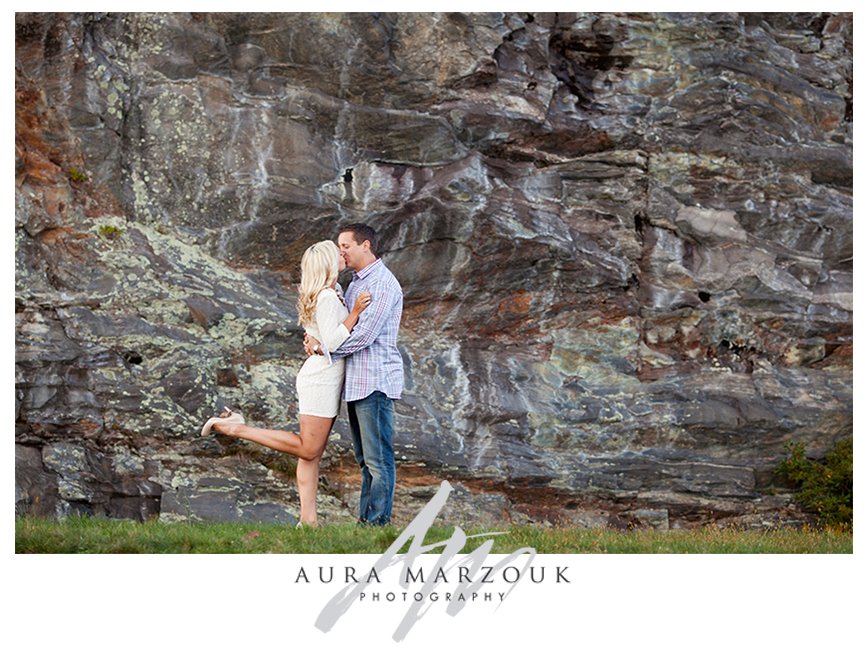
column 229, row 429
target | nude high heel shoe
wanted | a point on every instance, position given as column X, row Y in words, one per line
column 227, row 417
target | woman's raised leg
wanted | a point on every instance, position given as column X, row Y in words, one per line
column 308, row 445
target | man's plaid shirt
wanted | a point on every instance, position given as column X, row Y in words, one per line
column 372, row 360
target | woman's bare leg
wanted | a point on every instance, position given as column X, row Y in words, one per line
column 308, row 445
column 318, row 430
column 307, row 486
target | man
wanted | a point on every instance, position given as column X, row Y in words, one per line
column 373, row 371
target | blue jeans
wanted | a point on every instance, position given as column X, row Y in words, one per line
column 371, row 421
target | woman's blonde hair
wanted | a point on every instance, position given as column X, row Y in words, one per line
column 319, row 267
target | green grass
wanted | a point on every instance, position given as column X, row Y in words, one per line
column 93, row 535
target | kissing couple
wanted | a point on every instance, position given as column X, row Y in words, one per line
column 352, row 356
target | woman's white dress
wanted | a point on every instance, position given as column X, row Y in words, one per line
column 319, row 382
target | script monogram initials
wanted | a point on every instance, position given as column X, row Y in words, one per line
column 416, row 532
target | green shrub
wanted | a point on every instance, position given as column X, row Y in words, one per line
column 825, row 487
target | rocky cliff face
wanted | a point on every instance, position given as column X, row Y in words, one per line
column 625, row 243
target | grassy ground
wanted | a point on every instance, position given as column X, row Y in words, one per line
column 91, row 535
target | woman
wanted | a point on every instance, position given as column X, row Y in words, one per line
column 325, row 317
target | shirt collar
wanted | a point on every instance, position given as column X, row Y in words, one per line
column 367, row 269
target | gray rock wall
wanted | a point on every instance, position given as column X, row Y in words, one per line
column 625, row 243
